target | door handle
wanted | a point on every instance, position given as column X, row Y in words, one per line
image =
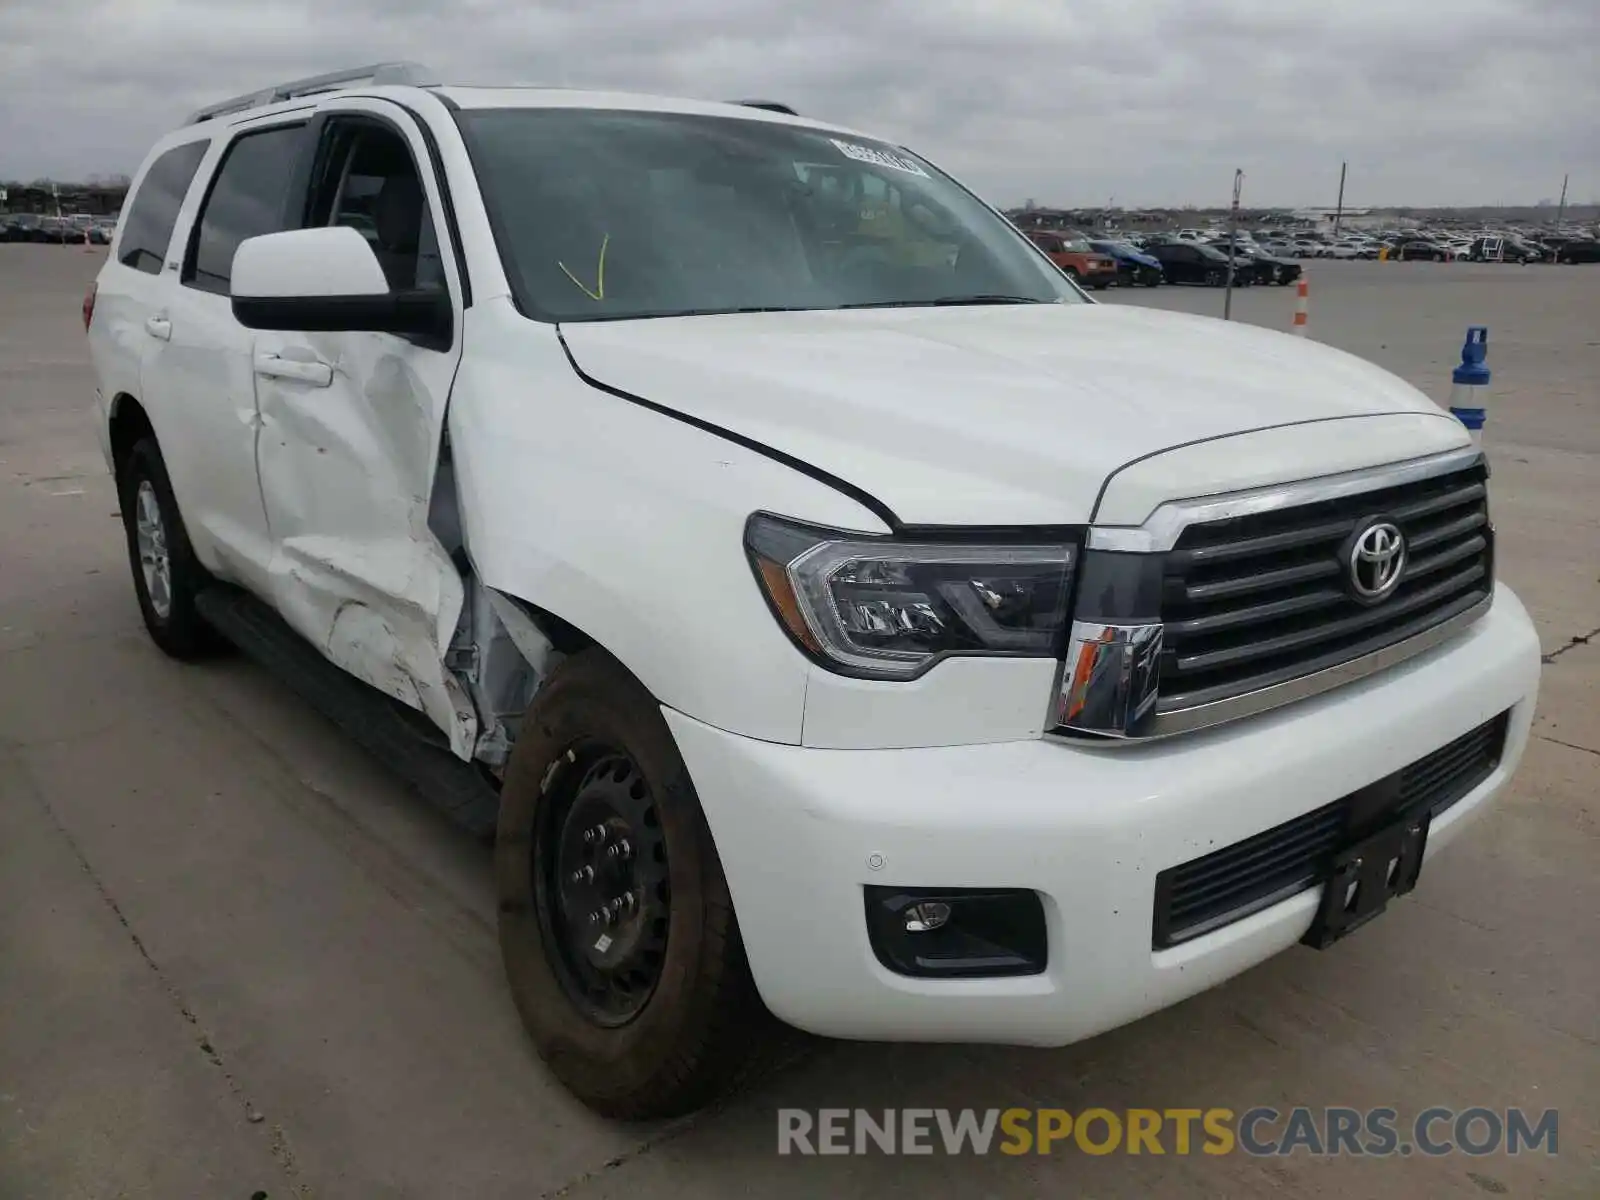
column 314, row 372
column 159, row 327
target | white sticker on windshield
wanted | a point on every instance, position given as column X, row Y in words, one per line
column 879, row 158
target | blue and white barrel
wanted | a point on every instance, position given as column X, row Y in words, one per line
column 1469, row 383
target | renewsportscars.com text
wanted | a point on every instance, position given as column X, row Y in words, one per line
column 1330, row 1131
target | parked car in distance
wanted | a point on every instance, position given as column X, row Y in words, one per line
column 1135, row 267
column 1410, row 249
column 61, row 231
column 1196, row 262
column 1348, row 248
column 1501, row 249
column 25, row 227
column 1308, row 248
column 1574, row 250
column 1264, row 267
column 1077, row 258
column 861, row 630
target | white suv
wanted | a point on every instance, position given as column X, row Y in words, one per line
column 830, row 610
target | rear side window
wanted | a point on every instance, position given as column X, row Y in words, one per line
column 147, row 227
column 246, row 200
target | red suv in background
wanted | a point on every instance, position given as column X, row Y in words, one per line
column 1077, row 258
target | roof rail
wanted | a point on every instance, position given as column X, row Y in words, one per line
column 378, row 74
column 769, row 105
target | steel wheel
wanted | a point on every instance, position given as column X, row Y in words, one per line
column 154, row 559
column 600, row 860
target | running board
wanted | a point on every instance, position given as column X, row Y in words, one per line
column 399, row 737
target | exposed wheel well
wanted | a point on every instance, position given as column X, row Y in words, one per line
column 129, row 424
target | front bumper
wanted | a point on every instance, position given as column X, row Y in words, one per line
column 802, row 831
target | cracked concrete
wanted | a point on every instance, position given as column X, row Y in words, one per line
column 237, row 960
column 1578, row 639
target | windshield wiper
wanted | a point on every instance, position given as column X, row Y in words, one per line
column 949, row 302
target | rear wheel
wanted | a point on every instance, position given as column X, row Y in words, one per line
column 1214, row 279
column 616, row 928
column 166, row 574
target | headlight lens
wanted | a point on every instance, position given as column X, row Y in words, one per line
column 889, row 609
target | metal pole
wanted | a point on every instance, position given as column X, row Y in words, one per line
column 1338, row 213
column 1562, row 207
column 1233, row 235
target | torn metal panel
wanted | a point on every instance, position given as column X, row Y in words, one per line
column 536, row 649
column 502, row 668
column 347, row 475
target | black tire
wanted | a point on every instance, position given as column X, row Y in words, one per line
column 1215, row 279
column 699, row 1025
column 1072, row 274
column 173, row 621
column 1152, row 279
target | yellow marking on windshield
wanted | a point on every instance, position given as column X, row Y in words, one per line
column 600, row 280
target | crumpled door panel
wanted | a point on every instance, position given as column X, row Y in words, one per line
column 347, row 475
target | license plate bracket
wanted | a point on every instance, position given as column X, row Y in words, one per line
column 1366, row 876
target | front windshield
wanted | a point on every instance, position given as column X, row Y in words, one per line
column 604, row 215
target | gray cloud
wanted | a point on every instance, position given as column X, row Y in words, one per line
column 1150, row 101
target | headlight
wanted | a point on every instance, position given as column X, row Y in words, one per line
column 884, row 608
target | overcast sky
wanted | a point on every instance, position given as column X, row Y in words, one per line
column 1066, row 101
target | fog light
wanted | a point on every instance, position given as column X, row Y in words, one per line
column 957, row 933
column 927, row 916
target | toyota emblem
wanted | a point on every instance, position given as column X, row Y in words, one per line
column 1376, row 561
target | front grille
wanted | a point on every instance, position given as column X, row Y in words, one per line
column 1253, row 601
column 1243, row 878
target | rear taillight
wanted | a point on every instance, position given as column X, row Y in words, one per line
column 88, row 305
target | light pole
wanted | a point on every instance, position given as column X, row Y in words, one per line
column 1233, row 237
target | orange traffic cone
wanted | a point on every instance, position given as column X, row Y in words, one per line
column 1302, row 306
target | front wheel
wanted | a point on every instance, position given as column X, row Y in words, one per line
column 616, row 928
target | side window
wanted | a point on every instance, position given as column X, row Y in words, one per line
column 369, row 182
column 147, row 228
column 246, row 199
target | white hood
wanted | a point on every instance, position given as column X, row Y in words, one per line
column 992, row 415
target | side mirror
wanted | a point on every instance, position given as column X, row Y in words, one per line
column 328, row 280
